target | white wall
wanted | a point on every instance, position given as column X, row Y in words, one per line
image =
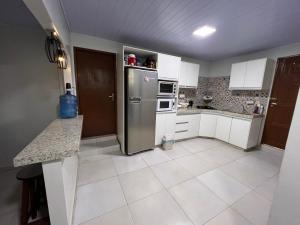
column 223, row 67
column 286, row 203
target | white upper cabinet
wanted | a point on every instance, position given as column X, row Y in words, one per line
column 189, row 73
column 255, row 73
column 237, row 75
column 168, row 67
column 251, row 75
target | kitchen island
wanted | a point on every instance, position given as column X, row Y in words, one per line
column 56, row 149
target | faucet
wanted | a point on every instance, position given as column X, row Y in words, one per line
column 244, row 109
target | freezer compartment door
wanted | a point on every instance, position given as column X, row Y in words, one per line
column 141, row 84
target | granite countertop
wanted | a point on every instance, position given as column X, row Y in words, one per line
column 59, row 140
column 190, row 111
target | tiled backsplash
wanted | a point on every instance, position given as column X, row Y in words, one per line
column 223, row 98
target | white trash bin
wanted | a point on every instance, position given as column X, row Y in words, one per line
column 167, row 142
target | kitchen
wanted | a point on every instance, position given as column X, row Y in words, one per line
column 194, row 130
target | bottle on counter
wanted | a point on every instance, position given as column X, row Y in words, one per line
column 68, row 104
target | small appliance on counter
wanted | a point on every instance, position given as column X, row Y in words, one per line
column 207, row 99
column 68, row 104
column 258, row 108
column 191, row 103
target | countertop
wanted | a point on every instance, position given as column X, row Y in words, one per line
column 190, row 111
column 59, row 140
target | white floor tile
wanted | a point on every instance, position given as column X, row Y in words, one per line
column 226, row 153
column 196, row 165
column 177, row 151
column 268, row 169
column 245, row 173
column 274, row 157
column 116, row 217
column 91, row 158
column 198, row 144
column 93, row 200
column 139, row 184
column 268, row 188
column 228, row 217
column 171, row 173
column 125, row 164
column 158, row 209
column 254, row 208
column 155, row 156
column 226, row 187
column 218, row 156
column 95, row 171
column 198, row 202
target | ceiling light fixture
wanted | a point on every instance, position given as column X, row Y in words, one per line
column 204, row 31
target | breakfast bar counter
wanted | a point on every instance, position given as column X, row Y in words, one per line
column 59, row 140
column 56, row 149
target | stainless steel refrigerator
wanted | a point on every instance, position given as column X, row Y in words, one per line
column 140, row 109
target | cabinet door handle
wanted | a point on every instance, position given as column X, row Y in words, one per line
column 181, row 131
column 182, row 122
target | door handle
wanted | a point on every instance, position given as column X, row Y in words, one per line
column 112, row 96
column 273, row 103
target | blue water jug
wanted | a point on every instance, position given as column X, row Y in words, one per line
column 68, row 104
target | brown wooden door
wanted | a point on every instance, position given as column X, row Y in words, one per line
column 95, row 75
column 282, row 102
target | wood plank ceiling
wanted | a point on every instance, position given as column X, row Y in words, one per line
column 166, row 25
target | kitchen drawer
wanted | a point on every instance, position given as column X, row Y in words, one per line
column 182, row 134
column 182, row 126
column 183, row 119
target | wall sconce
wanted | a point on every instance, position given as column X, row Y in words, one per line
column 62, row 60
column 54, row 50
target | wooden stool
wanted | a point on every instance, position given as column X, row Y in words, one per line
column 33, row 191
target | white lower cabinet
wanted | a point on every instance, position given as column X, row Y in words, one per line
column 240, row 132
column 223, row 128
column 245, row 133
column 187, row 126
column 208, row 124
column 165, row 124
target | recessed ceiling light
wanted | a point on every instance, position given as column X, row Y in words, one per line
column 204, row 31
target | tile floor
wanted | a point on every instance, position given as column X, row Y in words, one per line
column 200, row 181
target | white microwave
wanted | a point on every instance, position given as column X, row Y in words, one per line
column 167, row 88
column 166, row 104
